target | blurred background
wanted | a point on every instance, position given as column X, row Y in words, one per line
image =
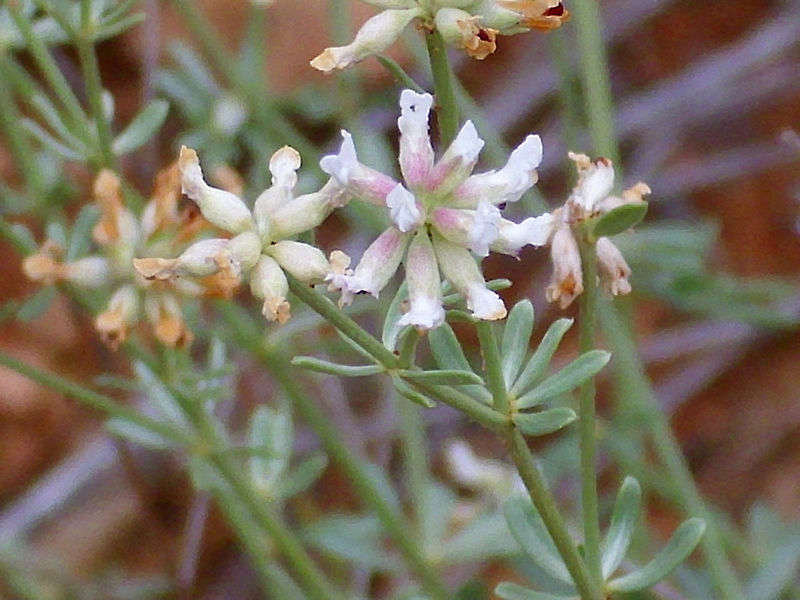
column 707, row 104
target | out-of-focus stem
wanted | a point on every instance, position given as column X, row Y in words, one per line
column 446, row 104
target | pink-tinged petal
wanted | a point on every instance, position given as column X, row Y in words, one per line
column 379, row 263
column 454, row 224
column 533, row 231
column 360, row 181
column 477, row 230
column 424, row 285
column 460, row 269
column 416, row 152
column 507, row 184
column 457, row 162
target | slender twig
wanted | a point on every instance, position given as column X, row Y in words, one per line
column 446, row 105
column 399, row 73
column 587, row 423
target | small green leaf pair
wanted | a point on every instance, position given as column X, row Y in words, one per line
column 530, row 532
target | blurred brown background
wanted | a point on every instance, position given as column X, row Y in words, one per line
column 707, row 93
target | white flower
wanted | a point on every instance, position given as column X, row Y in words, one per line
column 403, row 208
column 485, row 228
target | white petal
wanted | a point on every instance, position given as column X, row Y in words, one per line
column 283, row 166
column 340, row 166
column 485, row 228
column 595, row 184
column 416, row 152
column 468, row 144
column 425, row 313
column 484, row 303
column 403, row 208
column 533, row 231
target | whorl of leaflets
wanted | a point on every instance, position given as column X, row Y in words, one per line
column 469, row 26
column 441, row 213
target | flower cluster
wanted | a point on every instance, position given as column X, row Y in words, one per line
column 590, row 198
column 119, row 235
column 439, row 215
column 259, row 245
column 470, row 25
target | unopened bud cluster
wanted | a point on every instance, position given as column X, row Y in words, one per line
column 472, row 26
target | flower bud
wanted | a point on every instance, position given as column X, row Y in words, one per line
column 375, row 35
column 221, row 208
column 43, row 267
column 507, row 184
column 268, row 283
column 162, row 209
column 567, row 282
column 166, row 318
column 462, row 30
column 308, row 211
column 379, row 263
column 460, row 269
column 305, row 262
column 595, row 182
column 245, row 249
column 416, row 153
column 403, row 209
column 199, row 260
column 506, row 22
column 283, row 166
column 614, row 271
column 362, row 182
column 117, row 225
column 91, row 271
column 538, row 14
column 338, row 277
column 122, row 312
column 424, row 285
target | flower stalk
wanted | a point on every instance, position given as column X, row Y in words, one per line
column 446, row 105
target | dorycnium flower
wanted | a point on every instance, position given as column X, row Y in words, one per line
column 441, row 215
column 471, row 26
column 260, row 245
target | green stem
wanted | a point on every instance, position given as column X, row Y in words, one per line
column 568, row 95
column 47, row 66
column 94, row 85
column 10, row 120
column 446, row 104
column 546, row 506
column 331, row 313
column 594, row 73
column 493, row 365
column 399, row 73
column 415, row 455
column 276, row 362
column 587, row 425
column 93, row 399
column 485, row 415
column 634, row 387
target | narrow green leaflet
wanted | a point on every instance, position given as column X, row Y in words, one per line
column 352, row 538
column 545, row 422
column 485, row 537
column 137, row 434
column 51, row 143
column 581, row 369
column 323, row 366
column 143, row 127
column 531, row 534
column 80, row 239
column 159, row 396
column 516, row 338
column 512, row 591
column 391, row 323
column 304, row 475
column 273, row 429
column 407, row 391
column 618, row 220
column 679, row 547
column 538, row 363
column 443, row 377
column 448, row 354
column 37, row 304
column 438, row 504
column 623, row 523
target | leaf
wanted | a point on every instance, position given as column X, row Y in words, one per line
column 273, row 429
column 391, row 323
column 323, row 366
column 37, row 304
column 304, row 475
column 448, row 354
column 443, row 377
column 381, row 482
column 623, row 524
column 435, row 512
column 412, row 394
column 80, row 239
column 143, row 127
column 537, row 365
column 545, row 422
column 574, row 374
column 512, row 591
column 159, row 396
column 137, row 434
column 19, row 236
column 618, row 220
column 531, row 534
column 679, row 547
column 516, row 338
column 485, row 537
column 49, row 142
column 353, row 539
column 354, row 346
